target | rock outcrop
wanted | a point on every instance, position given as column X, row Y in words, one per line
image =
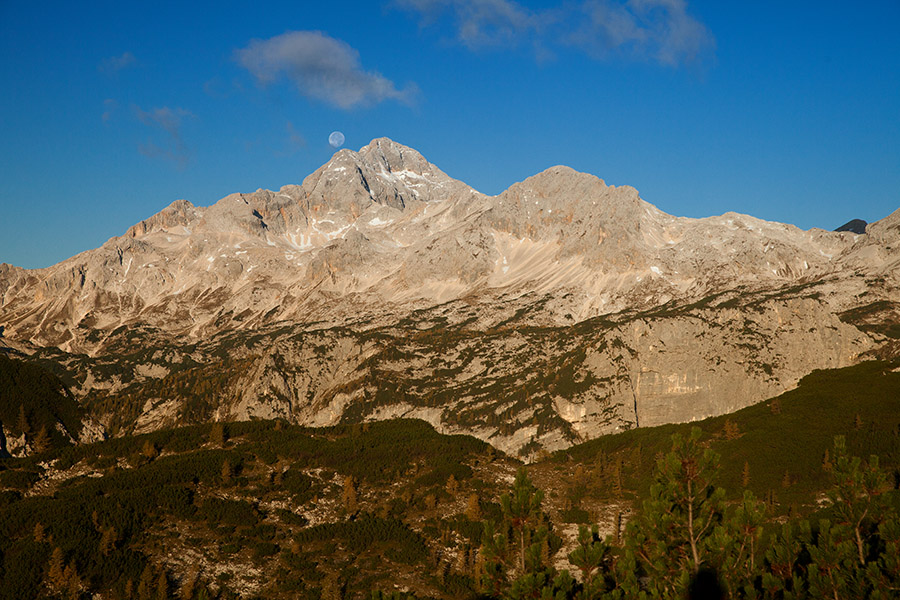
column 559, row 310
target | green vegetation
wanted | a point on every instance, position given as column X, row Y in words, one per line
column 878, row 317
column 223, row 490
column 687, row 542
column 779, row 446
column 198, row 388
column 763, row 503
column 32, row 401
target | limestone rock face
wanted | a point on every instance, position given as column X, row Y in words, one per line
column 557, row 311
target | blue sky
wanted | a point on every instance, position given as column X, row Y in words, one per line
column 787, row 111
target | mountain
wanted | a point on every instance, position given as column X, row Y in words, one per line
column 557, row 311
column 853, row 226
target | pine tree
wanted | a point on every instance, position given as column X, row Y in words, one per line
column 779, row 578
column 189, row 584
column 515, row 556
column 745, row 475
column 56, row 569
column 618, row 538
column 855, row 556
column 522, row 508
column 227, row 471
column 731, row 430
column 39, row 533
column 23, row 423
column 349, row 495
column 149, row 451
column 218, row 435
column 332, row 588
column 41, row 442
column 108, row 539
column 162, row 585
column 733, row 547
column 827, row 466
column 473, row 508
column 857, row 493
column 618, row 483
column 479, row 568
column 145, row 585
column 578, row 476
column 593, row 558
column 832, row 572
column 599, row 470
column 73, row 583
column 884, row 573
column 672, row 538
column 462, row 559
column 452, row 486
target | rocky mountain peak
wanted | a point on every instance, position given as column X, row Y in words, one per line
column 857, row 226
column 177, row 215
column 393, row 157
column 384, row 173
column 887, row 229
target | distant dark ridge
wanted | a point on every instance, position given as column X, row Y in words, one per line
column 854, row 226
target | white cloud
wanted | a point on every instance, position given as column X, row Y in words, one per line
column 114, row 64
column 321, row 67
column 169, row 120
column 656, row 30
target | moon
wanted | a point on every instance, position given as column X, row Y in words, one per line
column 336, row 139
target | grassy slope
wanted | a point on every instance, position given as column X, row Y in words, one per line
column 772, row 442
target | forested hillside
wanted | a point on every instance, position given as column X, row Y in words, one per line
column 264, row 509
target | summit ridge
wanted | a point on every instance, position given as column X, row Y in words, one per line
column 403, row 272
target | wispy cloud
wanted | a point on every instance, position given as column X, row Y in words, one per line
column 114, row 64
column 657, row 30
column 478, row 23
column 109, row 107
column 169, row 121
column 295, row 140
column 321, row 67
